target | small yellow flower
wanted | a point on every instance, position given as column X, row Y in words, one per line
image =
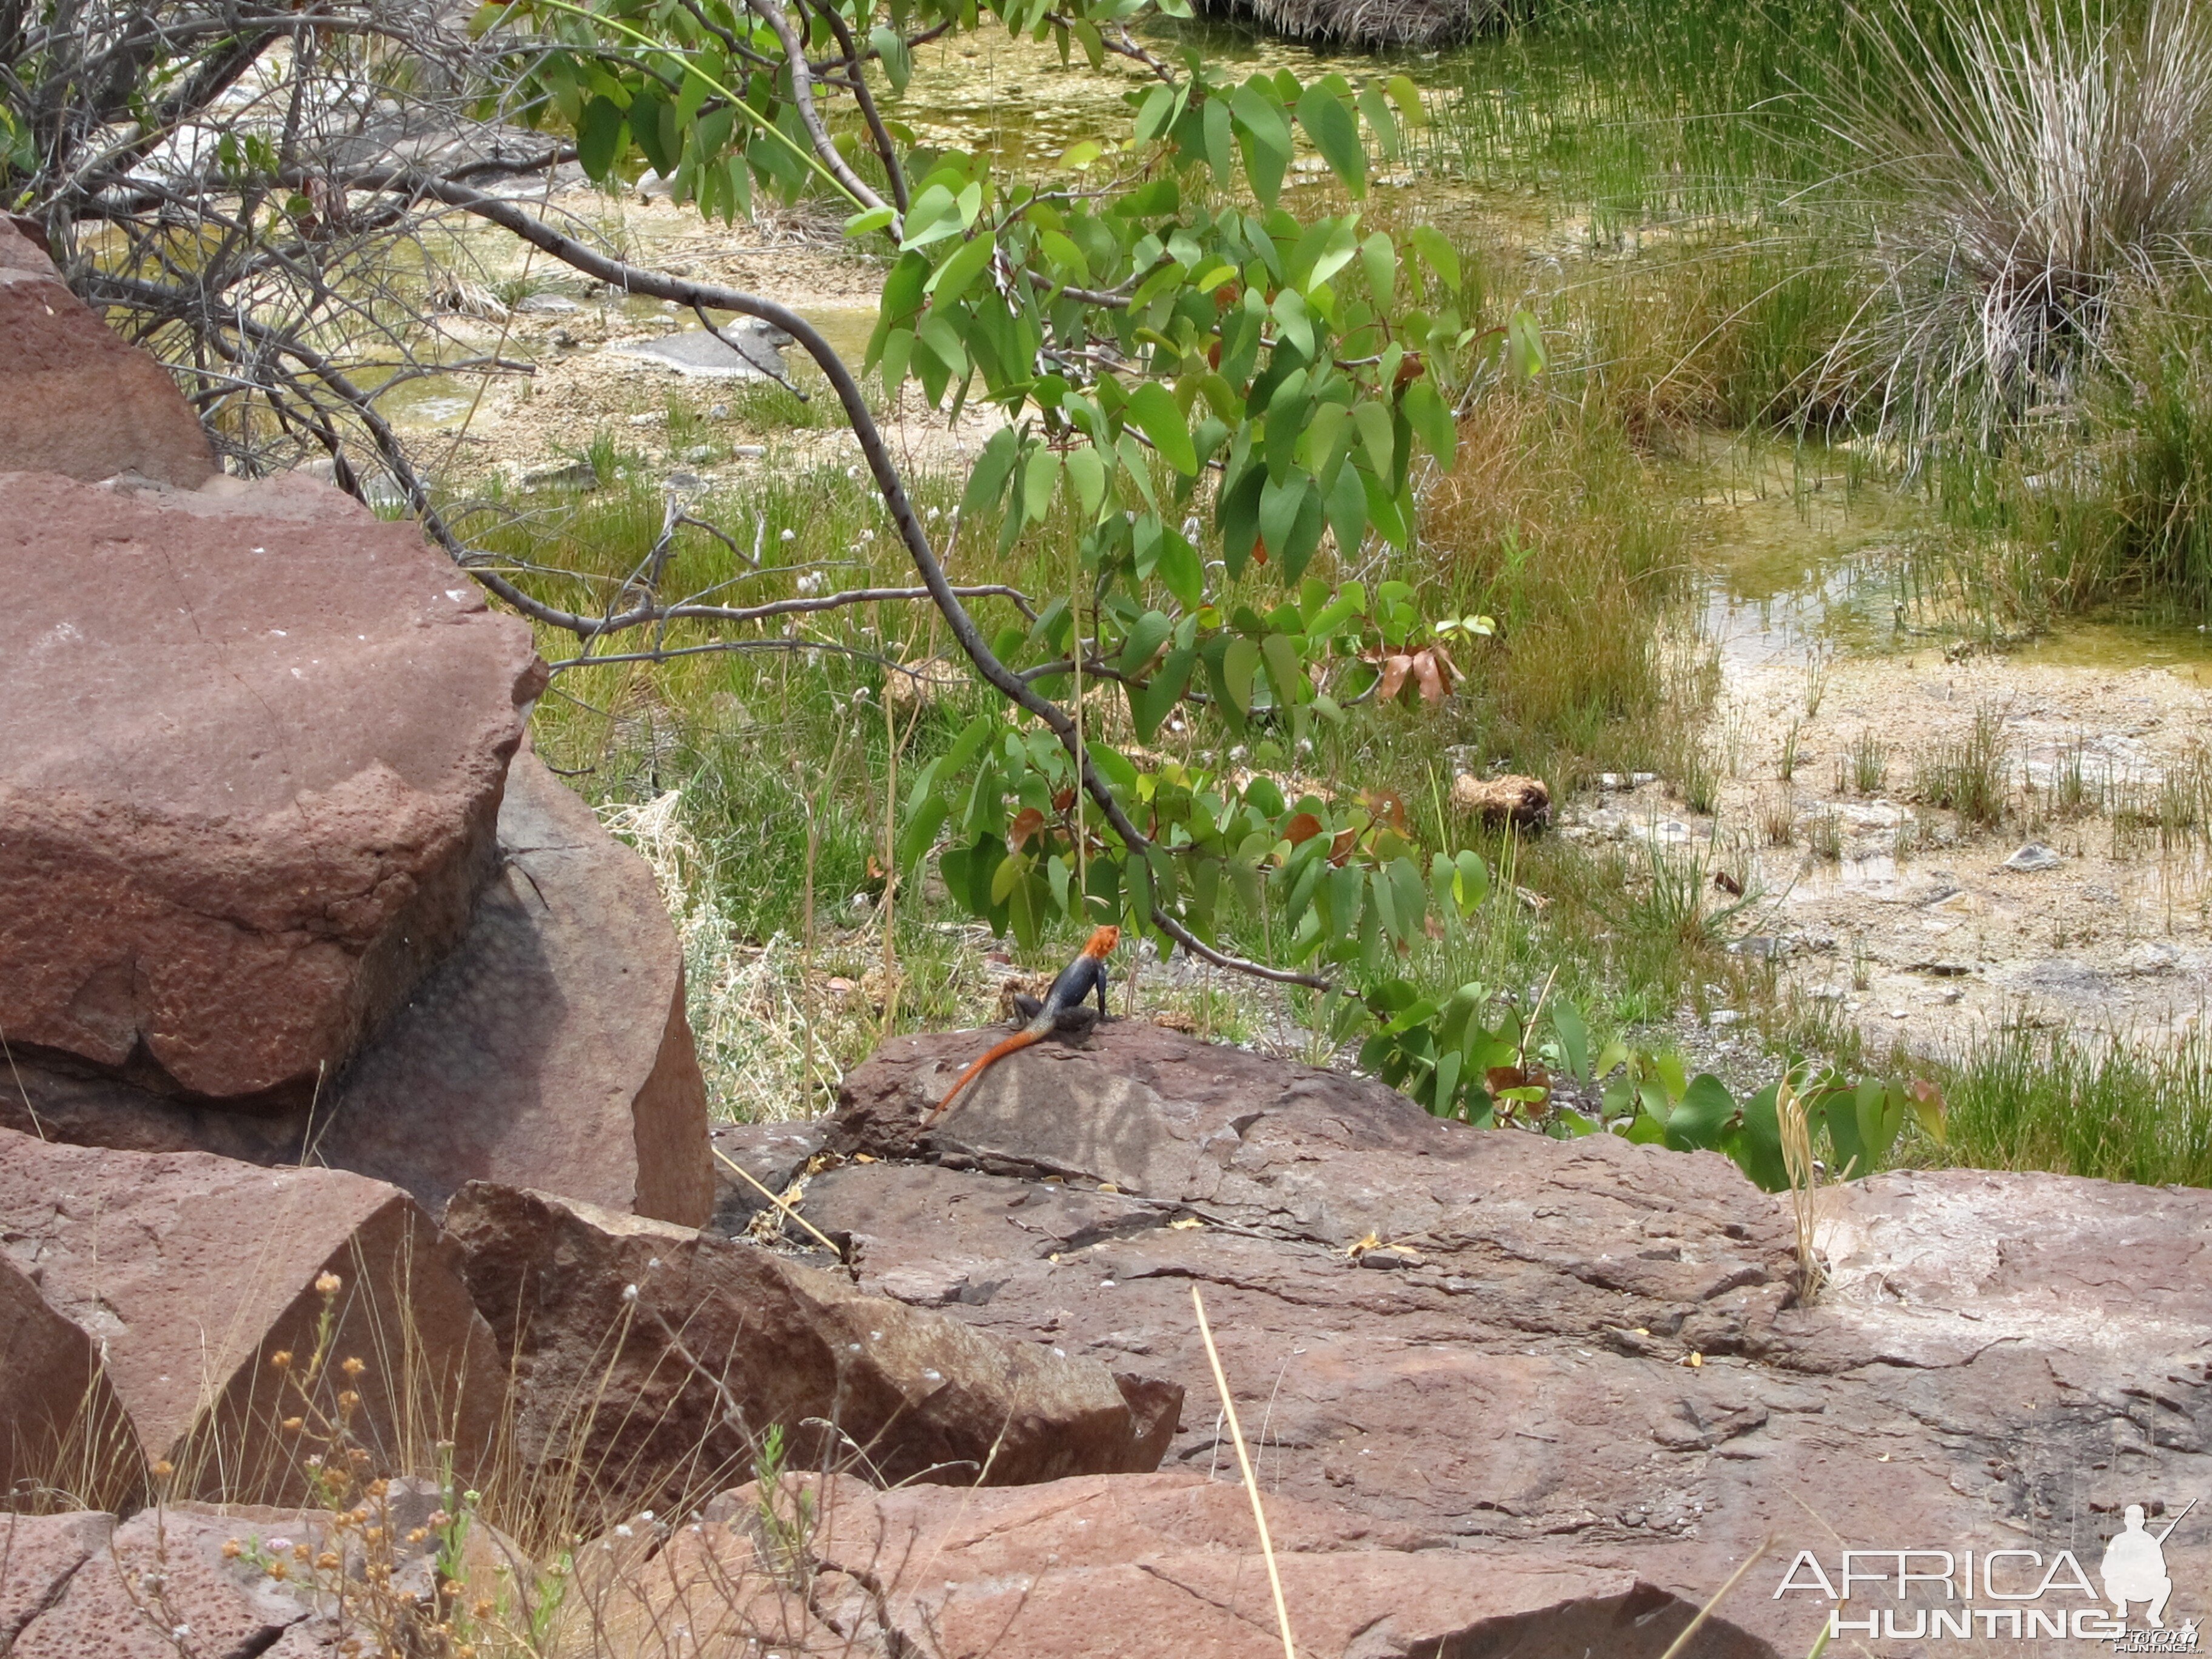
column 232, row 1549
column 354, row 1367
column 164, row 1468
column 328, row 1284
column 482, row 1609
column 281, row 1359
column 418, row 1534
column 349, row 1400
column 301, row 1553
column 294, row 1425
column 328, row 1561
column 280, row 1569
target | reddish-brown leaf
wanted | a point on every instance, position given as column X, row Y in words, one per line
column 1340, row 848
column 1302, row 828
column 1394, row 670
column 1026, row 823
column 1429, row 677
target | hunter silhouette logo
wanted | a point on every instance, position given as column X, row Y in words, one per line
column 2004, row 1594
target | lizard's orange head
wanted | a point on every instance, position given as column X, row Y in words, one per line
column 1103, row 943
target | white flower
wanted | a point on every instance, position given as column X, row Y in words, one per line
column 630, row 1292
column 623, row 1531
column 280, row 1546
column 810, row 582
column 789, row 536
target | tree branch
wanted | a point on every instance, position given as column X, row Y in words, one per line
column 892, row 487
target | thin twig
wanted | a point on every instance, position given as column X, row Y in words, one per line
column 1252, row 1486
column 759, row 1187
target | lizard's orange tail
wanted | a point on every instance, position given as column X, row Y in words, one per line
column 1019, row 1040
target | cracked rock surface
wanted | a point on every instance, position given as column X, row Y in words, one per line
column 1574, row 1352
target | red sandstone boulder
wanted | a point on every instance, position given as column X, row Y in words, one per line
column 75, row 399
column 60, row 1425
column 256, row 745
column 652, row 1356
column 551, row 1048
column 190, row 1272
column 195, row 1580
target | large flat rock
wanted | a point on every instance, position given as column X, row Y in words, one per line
column 186, row 1275
column 75, row 399
column 1150, row 1564
column 549, row 1049
column 1586, row 1353
column 256, row 741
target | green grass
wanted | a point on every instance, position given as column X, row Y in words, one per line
column 2101, row 1105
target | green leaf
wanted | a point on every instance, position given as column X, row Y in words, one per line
column 1346, row 502
column 1573, row 1033
column 1881, row 1112
column 1285, row 670
column 1757, row 1144
column 1378, row 256
column 1379, row 121
column 874, row 219
column 1088, row 474
column 1266, row 138
column 1373, row 420
column 1179, row 568
column 1705, row 1109
column 1220, row 151
column 1038, row 477
column 1408, row 97
column 1154, row 410
column 1524, row 346
column 1238, row 665
column 600, row 137
column 652, row 123
column 898, row 63
column 1428, row 242
column 993, row 468
column 1428, row 415
column 961, row 267
column 1335, row 135
column 1472, row 883
column 1149, row 704
column 934, row 215
column 1148, row 634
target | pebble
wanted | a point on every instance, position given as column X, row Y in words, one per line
column 1722, row 1017
column 718, row 412
column 2033, row 858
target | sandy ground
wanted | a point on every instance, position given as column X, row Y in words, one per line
column 1911, row 923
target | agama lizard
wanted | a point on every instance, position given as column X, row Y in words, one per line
column 1062, row 1009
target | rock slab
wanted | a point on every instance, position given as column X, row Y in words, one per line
column 257, row 742
column 186, row 1275
column 655, row 1357
column 1132, row 1565
column 75, row 397
column 1580, row 1353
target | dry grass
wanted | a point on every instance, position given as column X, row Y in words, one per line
column 2023, row 164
